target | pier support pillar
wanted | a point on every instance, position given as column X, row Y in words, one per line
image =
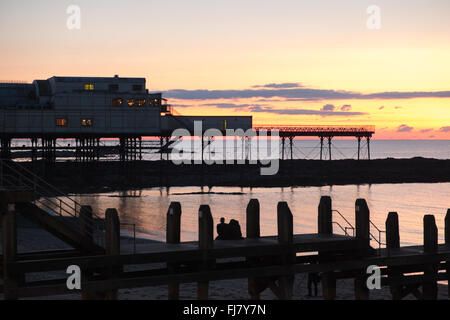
column 359, row 148
column 430, row 246
column 321, row 148
column 392, row 243
column 291, row 145
column 112, row 245
column 368, row 147
column 253, row 232
column 285, row 236
column 329, row 147
column 205, row 242
column 362, row 223
column 325, row 227
column 173, row 230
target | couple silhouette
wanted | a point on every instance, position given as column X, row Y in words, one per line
column 229, row 231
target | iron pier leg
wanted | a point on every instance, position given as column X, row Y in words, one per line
column 368, row 147
column 329, row 147
column 359, row 148
column 291, row 141
column 321, row 148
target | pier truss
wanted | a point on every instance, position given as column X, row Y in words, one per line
column 157, row 146
column 325, row 134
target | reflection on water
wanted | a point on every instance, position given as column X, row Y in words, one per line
column 147, row 208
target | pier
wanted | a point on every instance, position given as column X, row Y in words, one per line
column 126, row 148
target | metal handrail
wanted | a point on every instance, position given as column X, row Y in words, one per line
column 47, row 189
column 349, row 227
column 379, row 241
column 71, row 208
column 345, row 229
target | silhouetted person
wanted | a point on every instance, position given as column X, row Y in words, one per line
column 235, row 230
column 222, row 229
column 231, row 231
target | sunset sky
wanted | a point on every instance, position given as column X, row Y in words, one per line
column 284, row 62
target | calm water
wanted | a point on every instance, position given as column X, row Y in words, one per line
column 147, row 208
column 310, row 149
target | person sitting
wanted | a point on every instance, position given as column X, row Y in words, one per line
column 222, row 230
column 235, row 230
column 231, row 231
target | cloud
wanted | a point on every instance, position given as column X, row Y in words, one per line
column 404, row 128
column 286, row 85
column 328, row 107
column 426, row 130
column 381, row 108
column 226, row 105
column 346, row 107
column 298, row 94
column 301, row 111
column 445, row 129
column 396, row 108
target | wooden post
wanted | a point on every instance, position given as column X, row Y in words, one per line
column 447, row 242
column 325, row 217
column 112, row 242
column 362, row 223
column 253, row 225
column 9, row 246
column 392, row 243
column 86, row 222
column 430, row 246
column 325, row 227
column 205, row 242
column 285, row 225
column 253, row 232
column 173, row 230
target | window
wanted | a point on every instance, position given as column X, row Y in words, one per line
column 118, row 102
column 130, row 102
column 113, row 87
column 61, row 122
column 86, row 122
column 89, row 87
column 155, row 102
column 137, row 87
column 140, row 102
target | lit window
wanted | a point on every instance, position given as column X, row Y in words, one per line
column 155, row 102
column 86, row 122
column 140, row 102
column 89, row 87
column 117, row 102
column 130, row 102
column 61, row 122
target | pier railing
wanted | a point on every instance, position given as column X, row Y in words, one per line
column 51, row 199
column 318, row 129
